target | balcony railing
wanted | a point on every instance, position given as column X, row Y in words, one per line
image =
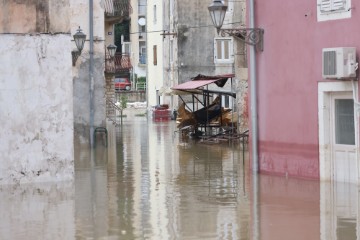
column 115, row 10
column 118, row 64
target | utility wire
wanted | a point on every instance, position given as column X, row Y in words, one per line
column 192, row 27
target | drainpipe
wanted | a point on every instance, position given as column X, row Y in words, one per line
column 91, row 71
column 254, row 127
column 253, row 94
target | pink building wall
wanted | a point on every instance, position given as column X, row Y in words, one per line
column 288, row 72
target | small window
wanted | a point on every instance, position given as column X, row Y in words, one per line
column 155, row 54
column 333, row 9
column 155, row 20
column 142, row 53
column 344, row 122
column 223, row 50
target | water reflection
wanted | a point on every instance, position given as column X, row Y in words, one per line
column 148, row 184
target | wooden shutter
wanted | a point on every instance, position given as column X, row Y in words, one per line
column 155, row 54
column 338, row 5
column 332, row 5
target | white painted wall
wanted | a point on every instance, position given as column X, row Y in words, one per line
column 36, row 108
column 155, row 72
column 139, row 69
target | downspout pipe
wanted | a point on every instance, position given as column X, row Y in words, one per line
column 91, row 71
column 253, row 95
column 254, row 128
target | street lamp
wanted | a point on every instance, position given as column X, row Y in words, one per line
column 79, row 39
column 217, row 12
column 251, row 36
column 112, row 50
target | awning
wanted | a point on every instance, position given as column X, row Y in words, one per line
column 193, row 84
column 202, row 80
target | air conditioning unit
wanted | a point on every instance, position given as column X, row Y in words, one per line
column 339, row 63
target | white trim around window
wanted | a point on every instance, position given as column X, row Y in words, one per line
column 223, row 50
column 333, row 9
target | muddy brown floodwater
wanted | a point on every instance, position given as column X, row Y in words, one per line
column 151, row 184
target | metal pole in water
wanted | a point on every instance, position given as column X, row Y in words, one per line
column 91, row 72
column 253, row 95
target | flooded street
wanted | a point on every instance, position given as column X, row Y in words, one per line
column 150, row 184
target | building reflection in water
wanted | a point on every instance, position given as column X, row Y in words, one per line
column 150, row 184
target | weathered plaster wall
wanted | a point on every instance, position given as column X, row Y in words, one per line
column 195, row 44
column 33, row 16
column 155, row 71
column 36, row 108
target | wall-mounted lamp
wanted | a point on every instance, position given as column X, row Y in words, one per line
column 112, row 50
column 252, row 36
column 79, row 39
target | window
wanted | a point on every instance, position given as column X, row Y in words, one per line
column 142, row 53
column 223, row 50
column 344, row 122
column 155, row 14
column 333, row 9
column 142, row 7
column 126, row 48
column 155, row 55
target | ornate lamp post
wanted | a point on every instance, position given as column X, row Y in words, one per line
column 251, row 36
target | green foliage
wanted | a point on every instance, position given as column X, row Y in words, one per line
column 141, row 79
column 123, row 102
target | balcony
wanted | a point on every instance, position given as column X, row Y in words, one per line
column 117, row 10
column 119, row 64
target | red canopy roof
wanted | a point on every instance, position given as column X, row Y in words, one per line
column 193, row 84
column 200, row 81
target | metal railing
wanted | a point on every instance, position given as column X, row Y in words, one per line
column 117, row 8
column 140, row 86
column 112, row 107
column 118, row 64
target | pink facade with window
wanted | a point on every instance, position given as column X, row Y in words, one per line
column 294, row 133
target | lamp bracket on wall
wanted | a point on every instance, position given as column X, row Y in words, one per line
column 251, row 36
column 75, row 55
